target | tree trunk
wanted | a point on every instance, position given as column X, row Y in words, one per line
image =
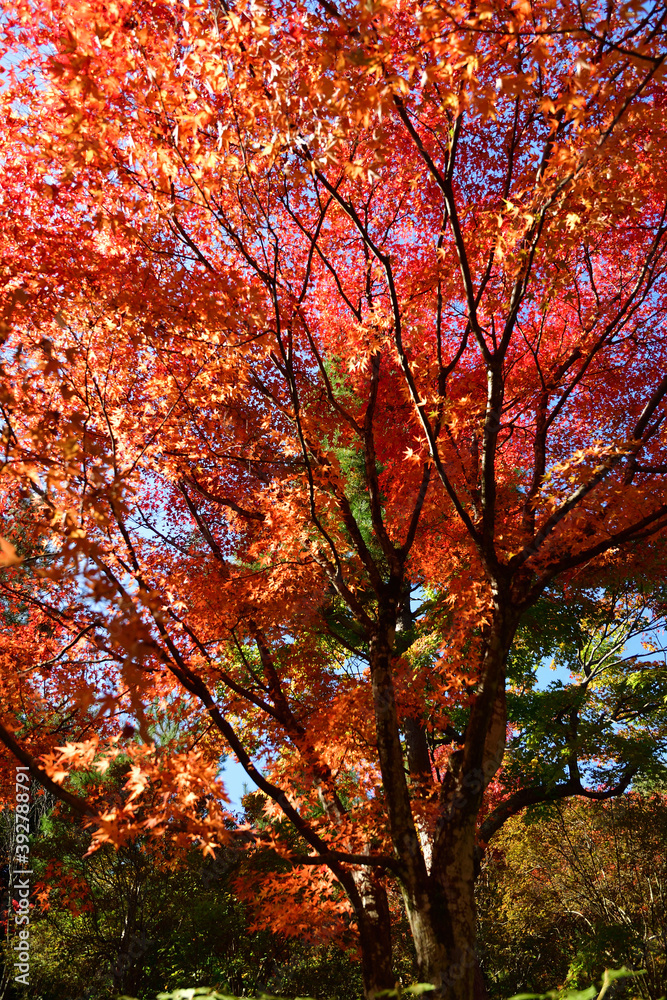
column 443, row 921
column 437, row 880
column 374, row 923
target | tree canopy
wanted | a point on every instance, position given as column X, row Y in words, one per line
column 333, row 363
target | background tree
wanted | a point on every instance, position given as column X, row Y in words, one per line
column 607, row 715
column 573, row 889
column 247, row 243
column 147, row 917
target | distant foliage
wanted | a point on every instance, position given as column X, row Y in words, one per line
column 569, row 890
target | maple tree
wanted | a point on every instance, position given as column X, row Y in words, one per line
column 312, row 309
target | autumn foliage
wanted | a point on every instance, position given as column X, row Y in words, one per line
column 334, row 345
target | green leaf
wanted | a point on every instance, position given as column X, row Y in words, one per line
column 611, row 975
column 587, row 994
